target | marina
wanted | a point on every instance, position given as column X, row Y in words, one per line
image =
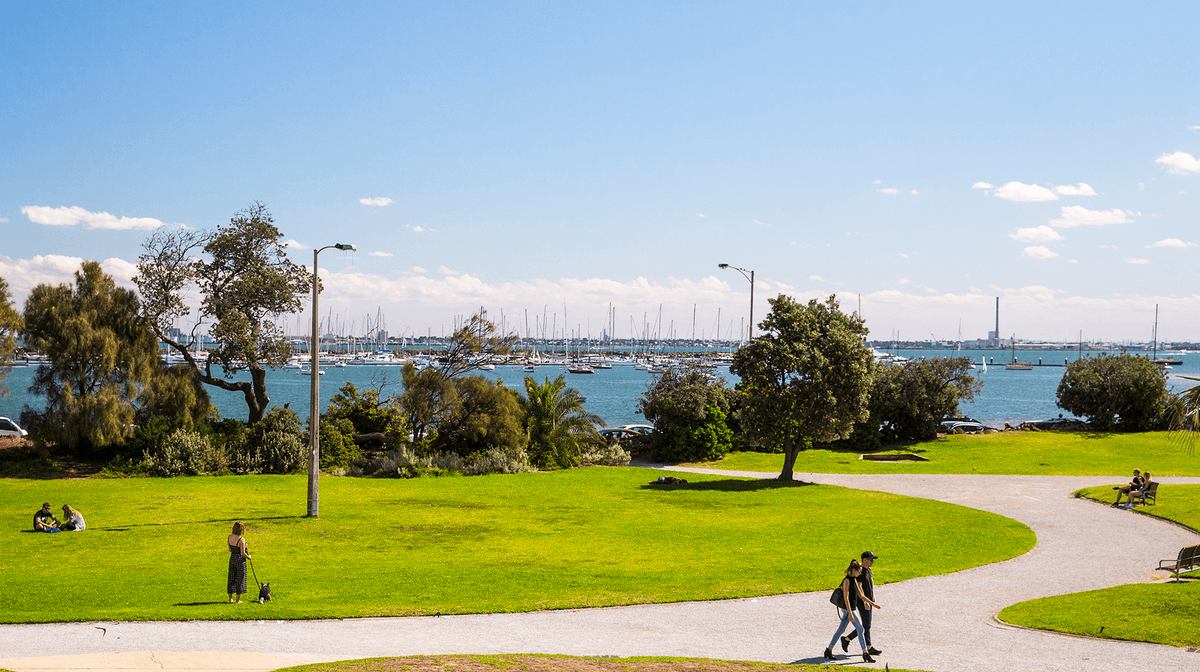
column 617, row 381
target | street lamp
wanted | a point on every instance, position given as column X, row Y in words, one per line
column 314, row 401
column 751, row 279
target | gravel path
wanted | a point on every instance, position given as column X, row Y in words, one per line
column 943, row 623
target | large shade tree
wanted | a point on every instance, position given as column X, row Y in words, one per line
column 805, row 378
column 101, row 354
column 1122, row 391
column 244, row 280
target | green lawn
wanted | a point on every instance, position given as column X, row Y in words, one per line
column 155, row 548
column 1163, row 613
column 1010, row 453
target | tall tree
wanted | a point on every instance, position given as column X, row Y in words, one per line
column 10, row 326
column 244, row 279
column 689, row 407
column 101, row 354
column 805, row 378
column 557, row 423
column 473, row 345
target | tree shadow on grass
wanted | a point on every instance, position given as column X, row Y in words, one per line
column 199, row 604
column 728, row 485
column 246, row 521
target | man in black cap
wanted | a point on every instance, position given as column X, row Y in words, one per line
column 867, row 581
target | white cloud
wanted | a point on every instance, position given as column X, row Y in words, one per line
column 915, row 192
column 419, row 229
column 53, row 269
column 64, row 216
column 1073, row 261
column 1036, row 234
column 904, row 255
column 877, row 182
column 1137, row 261
column 1077, row 215
column 1179, row 163
column 376, row 202
column 982, row 185
column 3, row 220
column 1194, row 128
column 1081, row 190
column 817, row 278
column 1025, row 193
column 379, row 254
column 1141, row 186
column 295, row 245
column 1172, row 242
column 1038, row 252
column 445, row 271
column 928, row 290
column 698, row 214
column 761, row 223
column 891, row 191
column 418, row 269
column 904, row 281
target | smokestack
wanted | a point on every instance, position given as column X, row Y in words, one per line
column 997, row 317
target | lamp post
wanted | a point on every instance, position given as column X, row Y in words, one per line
column 314, row 401
column 751, row 279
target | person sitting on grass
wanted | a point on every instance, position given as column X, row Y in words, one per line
column 44, row 520
column 1135, row 484
column 1140, row 492
column 74, row 520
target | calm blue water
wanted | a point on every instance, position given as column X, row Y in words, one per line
column 1008, row 396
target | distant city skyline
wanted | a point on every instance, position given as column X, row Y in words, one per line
column 568, row 157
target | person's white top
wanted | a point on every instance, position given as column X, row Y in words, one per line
column 78, row 520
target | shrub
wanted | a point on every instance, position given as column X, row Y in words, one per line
column 274, row 445
column 496, row 461
column 689, row 408
column 337, row 444
column 403, row 463
column 607, row 455
column 185, row 452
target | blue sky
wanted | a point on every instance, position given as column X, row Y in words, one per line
column 531, row 156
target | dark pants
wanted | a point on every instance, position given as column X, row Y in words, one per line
column 865, row 615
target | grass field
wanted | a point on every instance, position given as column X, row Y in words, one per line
column 540, row 663
column 155, row 548
column 1007, row 453
column 1163, row 613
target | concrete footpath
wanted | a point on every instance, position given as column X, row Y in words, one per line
column 943, row 623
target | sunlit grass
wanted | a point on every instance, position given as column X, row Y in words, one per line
column 155, row 548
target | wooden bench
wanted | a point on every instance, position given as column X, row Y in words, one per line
column 1187, row 560
column 1150, row 493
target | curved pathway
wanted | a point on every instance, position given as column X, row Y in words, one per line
column 944, row 623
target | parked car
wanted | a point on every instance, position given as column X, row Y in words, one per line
column 10, row 428
column 640, row 429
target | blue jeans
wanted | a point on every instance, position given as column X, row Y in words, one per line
column 848, row 617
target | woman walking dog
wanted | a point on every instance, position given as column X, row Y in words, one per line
column 848, row 602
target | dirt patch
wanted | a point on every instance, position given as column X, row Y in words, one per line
column 532, row 663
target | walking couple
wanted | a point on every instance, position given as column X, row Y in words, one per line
column 857, row 593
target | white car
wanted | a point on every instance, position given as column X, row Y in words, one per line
column 10, row 428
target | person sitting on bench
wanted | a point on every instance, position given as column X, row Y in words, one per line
column 1135, row 484
column 1140, row 492
column 44, row 520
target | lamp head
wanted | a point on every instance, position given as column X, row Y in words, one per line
column 344, row 246
column 722, row 265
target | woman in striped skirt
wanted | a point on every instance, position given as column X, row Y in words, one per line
column 236, row 584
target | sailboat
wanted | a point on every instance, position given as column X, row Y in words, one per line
column 1015, row 365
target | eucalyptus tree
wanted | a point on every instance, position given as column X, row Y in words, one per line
column 101, row 354
column 244, row 280
column 10, row 326
column 806, row 377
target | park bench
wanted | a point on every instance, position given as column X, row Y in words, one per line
column 1187, row 560
column 1150, row 493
